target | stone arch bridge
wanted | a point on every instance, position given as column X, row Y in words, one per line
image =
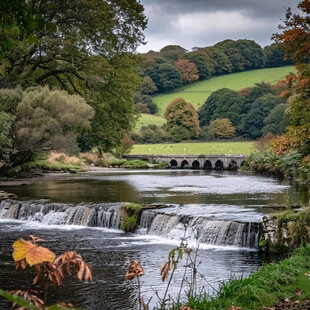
column 207, row 162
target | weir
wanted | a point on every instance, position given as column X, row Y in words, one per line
column 152, row 221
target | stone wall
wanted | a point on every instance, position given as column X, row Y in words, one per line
column 285, row 232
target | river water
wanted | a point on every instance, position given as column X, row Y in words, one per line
column 224, row 206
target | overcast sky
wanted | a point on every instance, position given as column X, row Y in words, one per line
column 192, row 23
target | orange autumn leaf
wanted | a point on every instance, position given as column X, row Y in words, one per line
column 33, row 254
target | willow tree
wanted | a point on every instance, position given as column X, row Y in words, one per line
column 37, row 120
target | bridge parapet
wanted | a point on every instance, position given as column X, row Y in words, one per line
column 203, row 161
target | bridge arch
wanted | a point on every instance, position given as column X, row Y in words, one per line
column 207, row 165
column 219, row 165
column 173, row 163
column 184, row 164
column 195, row 164
column 233, row 165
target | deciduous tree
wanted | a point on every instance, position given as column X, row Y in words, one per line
column 182, row 113
column 189, row 71
column 43, row 120
column 222, row 128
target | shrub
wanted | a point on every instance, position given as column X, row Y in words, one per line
column 130, row 214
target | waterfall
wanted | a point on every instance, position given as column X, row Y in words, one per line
column 204, row 230
column 49, row 213
column 152, row 221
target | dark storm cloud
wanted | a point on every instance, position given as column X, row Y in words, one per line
column 256, row 8
column 192, row 23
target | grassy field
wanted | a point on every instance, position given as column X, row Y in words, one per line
column 197, row 93
column 147, row 119
column 232, row 148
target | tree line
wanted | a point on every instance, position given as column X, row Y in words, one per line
column 173, row 66
column 249, row 113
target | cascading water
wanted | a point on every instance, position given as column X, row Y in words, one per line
column 95, row 215
column 152, row 221
column 204, row 230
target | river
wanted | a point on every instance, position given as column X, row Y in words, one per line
column 80, row 212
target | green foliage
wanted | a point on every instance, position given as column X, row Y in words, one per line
column 179, row 133
column 83, row 29
column 151, row 134
column 266, row 287
column 223, row 103
column 130, row 214
column 43, row 164
column 243, row 54
column 222, row 128
column 276, row 122
column 165, row 76
column 260, row 109
column 6, row 141
column 172, row 52
column 182, row 113
column 43, row 120
column 112, row 100
column 275, row 57
column 135, row 164
column 116, row 162
column 289, row 165
column 148, row 86
column 296, row 226
column 203, row 62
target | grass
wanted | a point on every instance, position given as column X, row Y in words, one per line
column 197, row 93
column 43, row 164
column 149, row 119
column 266, row 287
column 232, row 148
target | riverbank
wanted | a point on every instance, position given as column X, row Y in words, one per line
column 274, row 286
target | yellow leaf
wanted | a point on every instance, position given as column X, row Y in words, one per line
column 21, row 247
column 32, row 253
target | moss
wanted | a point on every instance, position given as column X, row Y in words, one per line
column 130, row 215
column 296, row 226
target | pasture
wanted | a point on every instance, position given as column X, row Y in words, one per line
column 195, row 148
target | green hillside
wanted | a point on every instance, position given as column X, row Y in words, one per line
column 197, row 93
column 149, row 119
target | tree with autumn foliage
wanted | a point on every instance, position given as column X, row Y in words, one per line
column 222, row 128
column 291, row 151
column 294, row 40
column 182, row 113
column 188, row 70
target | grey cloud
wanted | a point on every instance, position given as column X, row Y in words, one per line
column 168, row 20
